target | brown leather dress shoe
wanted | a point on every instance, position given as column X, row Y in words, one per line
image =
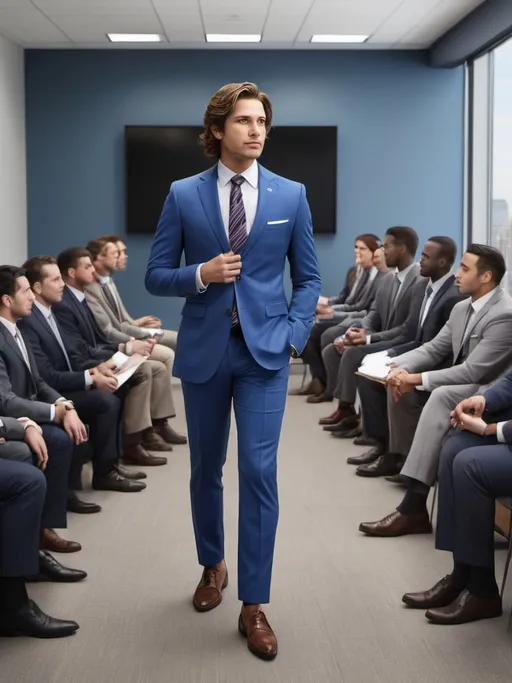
column 113, row 481
column 208, row 594
column 333, row 419
column 137, row 455
column 129, row 474
column 397, row 524
column 261, row 639
column 465, row 608
column 314, row 387
column 152, row 441
column 50, row 540
column 169, row 435
column 440, row 595
column 324, row 397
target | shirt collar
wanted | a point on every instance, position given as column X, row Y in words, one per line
column 13, row 329
column 436, row 286
column 79, row 295
column 104, row 279
column 402, row 274
column 45, row 310
column 480, row 303
column 225, row 174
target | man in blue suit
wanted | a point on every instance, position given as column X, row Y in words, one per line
column 475, row 468
column 236, row 224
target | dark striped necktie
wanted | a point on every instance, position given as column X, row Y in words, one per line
column 237, row 224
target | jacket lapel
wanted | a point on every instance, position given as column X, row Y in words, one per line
column 209, row 196
column 14, row 347
column 267, row 196
column 79, row 307
column 438, row 298
column 482, row 313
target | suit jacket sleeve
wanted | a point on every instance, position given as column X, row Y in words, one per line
column 340, row 298
column 59, row 380
column 430, row 355
column 12, row 429
column 372, row 321
column 15, row 406
column 103, row 321
column 89, row 356
column 45, row 393
column 164, row 276
column 499, row 395
column 492, row 351
column 306, row 282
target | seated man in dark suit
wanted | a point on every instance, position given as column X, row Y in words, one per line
column 22, row 498
column 91, row 390
column 475, row 468
column 21, row 441
column 24, row 393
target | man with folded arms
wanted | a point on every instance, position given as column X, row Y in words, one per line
column 477, row 340
column 475, row 468
column 24, row 393
column 91, row 390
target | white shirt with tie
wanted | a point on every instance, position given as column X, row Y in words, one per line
column 250, row 198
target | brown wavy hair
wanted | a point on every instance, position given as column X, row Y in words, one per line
column 220, row 107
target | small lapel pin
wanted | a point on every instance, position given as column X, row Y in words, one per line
column 269, row 189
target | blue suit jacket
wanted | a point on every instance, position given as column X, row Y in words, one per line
column 498, row 399
column 191, row 223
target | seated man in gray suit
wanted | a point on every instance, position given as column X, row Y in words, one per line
column 475, row 468
column 477, row 339
column 386, row 319
column 169, row 337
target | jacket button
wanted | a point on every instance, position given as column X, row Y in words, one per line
column 229, row 313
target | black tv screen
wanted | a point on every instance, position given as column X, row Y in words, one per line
column 155, row 156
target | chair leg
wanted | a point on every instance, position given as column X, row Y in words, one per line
column 507, row 564
column 434, row 497
column 304, row 376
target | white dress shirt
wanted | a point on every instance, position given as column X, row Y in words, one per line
column 79, row 295
column 46, row 311
column 435, row 287
column 250, row 198
column 476, row 307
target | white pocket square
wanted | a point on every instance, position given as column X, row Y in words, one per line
column 284, row 220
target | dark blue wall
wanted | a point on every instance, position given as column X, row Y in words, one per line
column 400, row 131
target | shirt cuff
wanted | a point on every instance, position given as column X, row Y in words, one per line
column 200, row 286
column 52, row 413
column 368, row 338
column 425, row 386
column 88, row 379
column 499, row 432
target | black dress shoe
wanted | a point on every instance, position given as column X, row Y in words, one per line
column 30, row 620
column 80, row 506
column 465, row 608
column 384, row 466
column 51, row 570
column 129, row 474
column 368, row 457
column 364, row 441
column 441, row 595
column 115, row 482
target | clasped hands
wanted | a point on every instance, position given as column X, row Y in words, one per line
column 468, row 416
column 354, row 336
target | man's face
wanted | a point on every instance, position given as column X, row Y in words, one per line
column 108, row 257
column 20, row 304
column 391, row 251
column 244, row 131
column 84, row 272
column 51, row 288
column 468, row 279
column 430, row 262
column 122, row 259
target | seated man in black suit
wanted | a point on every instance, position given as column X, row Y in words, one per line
column 475, row 468
column 20, row 441
column 91, row 390
column 23, row 393
column 22, row 497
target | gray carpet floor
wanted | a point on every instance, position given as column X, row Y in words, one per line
column 336, row 595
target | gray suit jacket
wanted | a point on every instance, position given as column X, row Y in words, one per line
column 386, row 318
column 118, row 330
column 487, row 348
column 11, row 429
column 364, row 302
column 23, row 392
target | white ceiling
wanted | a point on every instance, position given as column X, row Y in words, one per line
column 285, row 24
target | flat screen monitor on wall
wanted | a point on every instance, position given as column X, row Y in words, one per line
column 155, row 156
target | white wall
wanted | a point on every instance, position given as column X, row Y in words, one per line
column 13, row 184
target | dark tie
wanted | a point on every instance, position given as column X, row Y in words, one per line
column 237, row 225
column 462, row 353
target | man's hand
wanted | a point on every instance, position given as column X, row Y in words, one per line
column 142, row 346
column 470, row 406
column 401, row 382
column 104, row 382
column 107, row 368
column 326, row 313
column 223, row 268
column 37, row 445
column 339, row 343
column 470, row 423
column 322, row 302
column 74, row 427
column 355, row 336
column 148, row 321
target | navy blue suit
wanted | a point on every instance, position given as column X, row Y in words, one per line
column 218, row 368
column 22, row 495
column 473, row 472
column 100, row 410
